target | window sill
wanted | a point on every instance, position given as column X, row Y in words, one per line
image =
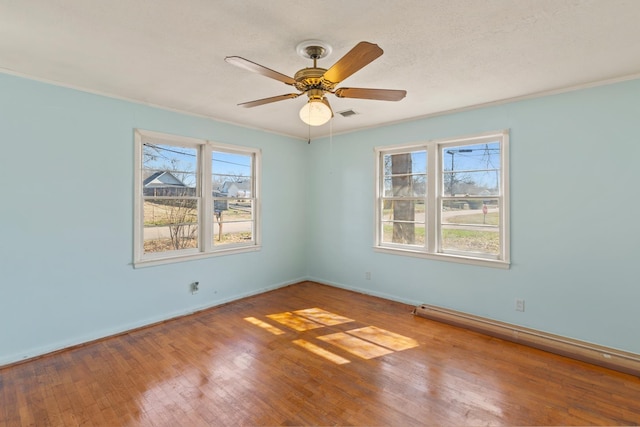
column 150, row 262
column 482, row 262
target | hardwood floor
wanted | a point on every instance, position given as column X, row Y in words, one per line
column 270, row 360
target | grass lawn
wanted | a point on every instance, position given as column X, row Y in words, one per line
column 492, row 218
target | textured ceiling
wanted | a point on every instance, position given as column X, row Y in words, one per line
column 447, row 54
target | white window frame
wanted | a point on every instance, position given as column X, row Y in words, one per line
column 434, row 197
column 206, row 248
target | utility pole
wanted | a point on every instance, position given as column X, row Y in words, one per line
column 453, row 175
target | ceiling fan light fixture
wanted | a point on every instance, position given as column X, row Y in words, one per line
column 315, row 113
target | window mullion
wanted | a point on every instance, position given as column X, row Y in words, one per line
column 379, row 202
column 138, row 204
column 504, row 198
column 255, row 190
column 206, row 201
column 432, row 201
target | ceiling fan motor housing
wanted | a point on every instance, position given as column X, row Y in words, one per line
column 311, row 78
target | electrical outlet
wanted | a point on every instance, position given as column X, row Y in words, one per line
column 367, row 275
column 519, row 305
column 195, row 287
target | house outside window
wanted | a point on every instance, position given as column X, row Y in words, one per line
column 194, row 198
column 445, row 199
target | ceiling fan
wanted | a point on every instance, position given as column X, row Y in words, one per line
column 315, row 82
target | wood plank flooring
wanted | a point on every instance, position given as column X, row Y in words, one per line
column 310, row 354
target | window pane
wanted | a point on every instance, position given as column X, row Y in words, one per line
column 403, row 210
column 168, row 170
column 413, row 162
column 467, row 229
column 469, row 205
column 231, row 174
column 405, row 174
column 403, row 221
column 471, row 169
column 405, row 186
column 234, row 224
column 403, row 233
column 471, row 183
column 170, row 224
column 233, row 203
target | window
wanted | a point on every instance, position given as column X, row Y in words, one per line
column 194, row 198
column 445, row 199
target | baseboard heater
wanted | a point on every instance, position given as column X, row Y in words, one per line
column 598, row 355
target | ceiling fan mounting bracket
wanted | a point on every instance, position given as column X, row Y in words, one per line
column 314, row 49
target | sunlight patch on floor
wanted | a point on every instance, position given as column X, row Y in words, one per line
column 321, row 352
column 367, row 342
column 264, row 325
column 298, row 323
column 353, row 345
column 390, row 340
column 322, row 316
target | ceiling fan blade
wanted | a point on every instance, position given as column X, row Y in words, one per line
column 362, row 54
column 379, row 94
column 263, row 101
column 257, row 68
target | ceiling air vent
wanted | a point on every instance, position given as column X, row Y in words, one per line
column 347, row 113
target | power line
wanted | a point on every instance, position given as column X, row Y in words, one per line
column 156, row 147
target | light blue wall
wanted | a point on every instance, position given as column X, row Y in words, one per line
column 66, row 220
column 575, row 206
